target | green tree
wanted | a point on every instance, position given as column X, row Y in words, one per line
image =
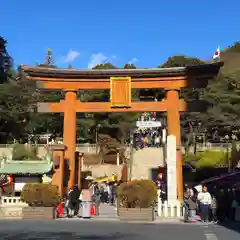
column 16, row 104
column 188, row 119
column 181, row 61
column 18, row 101
column 130, row 66
column 107, row 65
column 116, row 125
column 223, row 94
column 5, row 61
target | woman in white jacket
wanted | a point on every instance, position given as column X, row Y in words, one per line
column 205, row 200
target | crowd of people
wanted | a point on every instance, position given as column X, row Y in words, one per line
column 213, row 204
column 217, row 206
column 148, row 137
column 148, row 116
column 102, row 192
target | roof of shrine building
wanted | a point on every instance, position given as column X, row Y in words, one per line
column 208, row 70
column 25, row 167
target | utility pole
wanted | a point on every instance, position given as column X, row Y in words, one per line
column 130, row 165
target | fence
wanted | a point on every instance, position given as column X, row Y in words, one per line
column 199, row 146
column 82, row 145
column 166, row 210
column 11, row 201
column 86, row 148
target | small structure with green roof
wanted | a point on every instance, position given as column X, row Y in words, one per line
column 28, row 167
column 25, row 167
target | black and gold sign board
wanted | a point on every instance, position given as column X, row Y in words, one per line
column 120, row 92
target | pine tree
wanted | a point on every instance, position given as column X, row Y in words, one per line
column 5, row 61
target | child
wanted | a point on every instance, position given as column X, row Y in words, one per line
column 214, row 209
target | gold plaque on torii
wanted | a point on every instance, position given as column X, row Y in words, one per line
column 120, row 92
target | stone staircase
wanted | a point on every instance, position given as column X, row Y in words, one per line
column 101, row 170
column 146, row 159
column 143, row 161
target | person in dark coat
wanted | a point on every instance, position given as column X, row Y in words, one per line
column 73, row 201
column 222, row 208
column 192, row 205
column 186, row 197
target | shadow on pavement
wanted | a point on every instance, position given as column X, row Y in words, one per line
column 60, row 236
column 235, row 226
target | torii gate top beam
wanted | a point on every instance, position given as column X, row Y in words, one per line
column 176, row 77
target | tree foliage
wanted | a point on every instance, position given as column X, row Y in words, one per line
column 222, row 95
column 18, row 99
column 117, row 125
column 181, row 61
column 5, row 61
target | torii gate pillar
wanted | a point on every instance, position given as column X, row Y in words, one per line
column 173, row 120
column 69, row 133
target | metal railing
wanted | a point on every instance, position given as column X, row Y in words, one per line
column 82, row 145
column 11, row 201
column 92, row 147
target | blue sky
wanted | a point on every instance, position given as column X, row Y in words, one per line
column 85, row 33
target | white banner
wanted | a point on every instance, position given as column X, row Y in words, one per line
column 171, row 169
column 148, row 124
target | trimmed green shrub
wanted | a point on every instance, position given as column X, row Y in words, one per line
column 191, row 158
column 206, row 159
column 40, row 194
column 137, row 194
column 212, row 159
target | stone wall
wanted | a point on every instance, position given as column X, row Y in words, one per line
column 146, row 159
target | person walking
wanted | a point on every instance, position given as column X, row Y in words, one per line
column 234, row 204
column 192, row 203
column 214, row 209
column 205, row 200
column 186, row 197
column 114, row 193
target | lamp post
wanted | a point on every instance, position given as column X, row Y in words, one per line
column 164, row 138
column 130, row 163
column 118, row 158
column 80, row 168
column 96, row 137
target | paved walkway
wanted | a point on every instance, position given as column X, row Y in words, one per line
column 107, row 212
column 100, row 230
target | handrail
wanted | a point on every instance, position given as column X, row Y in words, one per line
column 45, row 145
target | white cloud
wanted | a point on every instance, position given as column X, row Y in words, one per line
column 133, row 61
column 71, row 56
column 97, row 58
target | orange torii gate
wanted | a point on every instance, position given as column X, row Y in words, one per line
column 120, row 82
